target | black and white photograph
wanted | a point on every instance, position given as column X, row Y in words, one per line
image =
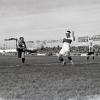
column 49, row 49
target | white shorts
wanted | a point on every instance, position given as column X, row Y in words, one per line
column 64, row 52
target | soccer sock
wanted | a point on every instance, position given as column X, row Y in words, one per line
column 23, row 60
column 93, row 57
column 70, row 58
column 87, row 57
column 61, row 58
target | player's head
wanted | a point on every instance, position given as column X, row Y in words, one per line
column 21, row 38
column 68, row 34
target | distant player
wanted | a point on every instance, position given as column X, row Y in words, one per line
column 65, row 51
column 91, row 49
column 21, row 47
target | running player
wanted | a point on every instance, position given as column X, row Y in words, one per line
column 65, row 51
column 21, row 47
column 91, row 49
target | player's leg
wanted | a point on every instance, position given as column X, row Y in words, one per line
column 60, row 57
column 19, row 54
column 67, row 56
column 93, row 55
column 87, row 57
column 70, row 58
column 88, row 54
column 23, row 57
column 64, row 60
column 64, row 56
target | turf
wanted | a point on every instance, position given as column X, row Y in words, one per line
column 42, row 78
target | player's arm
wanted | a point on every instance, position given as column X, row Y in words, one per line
column 73, row 36
column 16, row 43
column 25, row 46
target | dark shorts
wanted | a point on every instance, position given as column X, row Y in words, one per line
column 90, row 53
column 19, row 52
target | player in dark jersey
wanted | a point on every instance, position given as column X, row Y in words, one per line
column 21, row 47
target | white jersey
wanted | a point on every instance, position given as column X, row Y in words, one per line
column 90, row 44
column 66, row 45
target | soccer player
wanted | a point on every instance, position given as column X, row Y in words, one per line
column 21, row 47
column 65, row 51
column 91, row 49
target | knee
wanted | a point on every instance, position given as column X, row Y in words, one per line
column 23, row 55
column 60, row 57
column 87, row 57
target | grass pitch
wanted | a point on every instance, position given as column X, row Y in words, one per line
column 42, row 78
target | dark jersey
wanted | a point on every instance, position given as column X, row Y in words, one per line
column 21, row 44
column 67, row 40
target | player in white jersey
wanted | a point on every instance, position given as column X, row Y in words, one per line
column 65, row 51
column 90, row 50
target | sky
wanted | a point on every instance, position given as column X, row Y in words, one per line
column 48, row 19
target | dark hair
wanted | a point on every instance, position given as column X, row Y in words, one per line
column 69, row 31
column 21, row 38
